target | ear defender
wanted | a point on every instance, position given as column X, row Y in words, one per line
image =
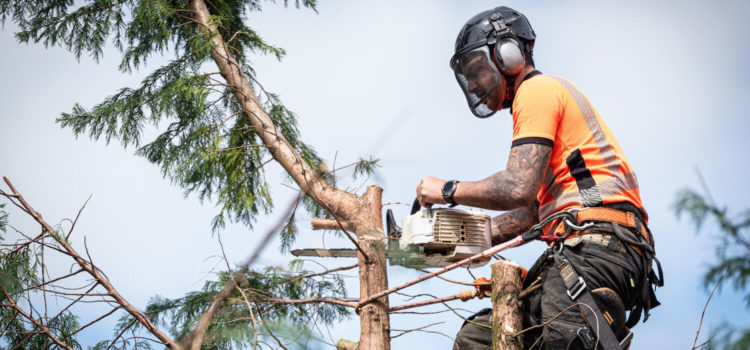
column 509, row 57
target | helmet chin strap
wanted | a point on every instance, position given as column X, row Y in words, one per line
column 510, row 92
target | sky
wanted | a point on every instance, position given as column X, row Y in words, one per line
column 372, row 78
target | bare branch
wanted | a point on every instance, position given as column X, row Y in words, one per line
column 424, row 303
column 15, row 313
column 121, row 333
column 700, row 324
column 73, row 225
column 97, row 320
column 312, row 300
column 53, row 280
column 34, row 321
column 330, row 224
column 94, row 272
column 195, row 340
column 420, row 329
column 338, row 225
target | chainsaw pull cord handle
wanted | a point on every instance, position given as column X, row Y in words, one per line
column 415, row 206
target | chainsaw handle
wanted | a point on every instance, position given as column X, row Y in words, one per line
column 415, row 206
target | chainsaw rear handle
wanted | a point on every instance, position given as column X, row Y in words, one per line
column 415, row 206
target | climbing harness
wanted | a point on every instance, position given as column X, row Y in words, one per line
column 593, row 224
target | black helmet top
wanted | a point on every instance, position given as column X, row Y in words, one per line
column 479, row 30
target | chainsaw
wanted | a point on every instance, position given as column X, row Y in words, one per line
column 428, row 237
column 438, row 237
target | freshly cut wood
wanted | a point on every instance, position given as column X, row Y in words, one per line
column 344, row 344
column 506, row 306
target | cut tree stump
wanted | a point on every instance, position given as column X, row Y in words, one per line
column 506, row 306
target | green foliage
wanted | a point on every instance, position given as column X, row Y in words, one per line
column 727, row 338
column 366, row 167
column 3, row 220
column 733, row 250
column 232, row 328
column 206, row 145
column 123, row 344
column 19, row 269
column 732, row 253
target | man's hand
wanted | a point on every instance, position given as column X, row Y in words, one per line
column 430, row 190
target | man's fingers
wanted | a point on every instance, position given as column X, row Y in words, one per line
column 429, row 191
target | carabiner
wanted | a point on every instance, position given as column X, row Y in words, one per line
column 583, row 227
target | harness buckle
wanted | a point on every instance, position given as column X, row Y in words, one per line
column 587, row 337
column 577, row 289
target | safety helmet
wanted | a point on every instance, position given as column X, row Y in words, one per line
column 490, row 43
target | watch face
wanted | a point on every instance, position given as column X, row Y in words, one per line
column 448, row 189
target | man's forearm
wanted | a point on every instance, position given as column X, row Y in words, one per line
column 513, row 223
column 501, row 191
column 515, row 187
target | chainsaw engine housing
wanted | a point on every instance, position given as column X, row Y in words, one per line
column 444, row 236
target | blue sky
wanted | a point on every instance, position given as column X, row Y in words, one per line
column 670, row 79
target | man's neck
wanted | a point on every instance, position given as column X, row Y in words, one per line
column 520, row 76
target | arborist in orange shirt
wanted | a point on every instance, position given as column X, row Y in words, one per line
column 565, row 170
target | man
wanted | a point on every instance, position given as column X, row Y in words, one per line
column 565, row 166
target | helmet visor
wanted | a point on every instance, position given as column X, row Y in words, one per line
column 478, row 78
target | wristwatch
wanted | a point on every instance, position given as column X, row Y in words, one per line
column 449, row 188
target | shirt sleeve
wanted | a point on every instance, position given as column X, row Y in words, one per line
column 536, row 113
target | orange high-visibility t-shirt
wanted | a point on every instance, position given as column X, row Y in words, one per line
column 587, row 167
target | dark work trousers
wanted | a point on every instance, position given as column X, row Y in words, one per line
column 599, row 265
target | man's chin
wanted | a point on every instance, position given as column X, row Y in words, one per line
column 494, row 104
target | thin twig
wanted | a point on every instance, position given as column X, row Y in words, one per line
column 9, row 322
column 196, row 338
column 53, row 280
column 424, row 303
column 73, row 225
column 700, row 324
column 34, row 321
column 312, row 300
column 705, row 187
column 244, row 296
column 118, row 307
column 121, row 333
column 94, row 272
column 489, row 252
column 456, row 282
column 420, row 329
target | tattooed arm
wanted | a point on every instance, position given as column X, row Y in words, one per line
column 515, row 187
column 513, row 223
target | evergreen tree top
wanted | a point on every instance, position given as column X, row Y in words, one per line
column 205, row 144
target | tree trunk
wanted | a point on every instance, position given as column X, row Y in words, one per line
column 373, row 278
column 363, row 212
column 506, row 306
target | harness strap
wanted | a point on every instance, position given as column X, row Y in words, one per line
column 602, row 214
column 578, row 292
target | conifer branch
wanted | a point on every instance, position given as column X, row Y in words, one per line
column 308, row 180
column 34, row 321
column 95, row 273
column 195, row 340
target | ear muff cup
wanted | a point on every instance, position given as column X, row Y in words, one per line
column 509, row 57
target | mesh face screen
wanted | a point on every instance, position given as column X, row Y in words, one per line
column 478, row 78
